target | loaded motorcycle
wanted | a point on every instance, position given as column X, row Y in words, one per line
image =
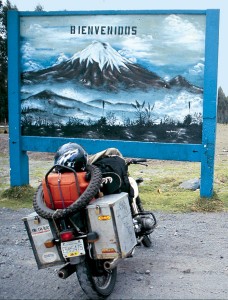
column 86, row 220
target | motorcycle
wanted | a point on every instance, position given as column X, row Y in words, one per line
column 92, row 235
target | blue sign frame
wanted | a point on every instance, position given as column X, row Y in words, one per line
column 203, row 153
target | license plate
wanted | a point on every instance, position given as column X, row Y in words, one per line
column 73, row 248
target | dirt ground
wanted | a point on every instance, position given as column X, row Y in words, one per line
column 188, row 259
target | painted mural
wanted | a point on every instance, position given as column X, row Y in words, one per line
column 116, row 77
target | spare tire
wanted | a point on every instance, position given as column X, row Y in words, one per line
column 90, row 192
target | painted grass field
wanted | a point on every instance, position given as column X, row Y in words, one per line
column 159, row 191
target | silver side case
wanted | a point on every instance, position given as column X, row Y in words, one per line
column 110, row 217
column 39, row 231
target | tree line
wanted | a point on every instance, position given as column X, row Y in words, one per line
column 222, row 109
column 4, row 57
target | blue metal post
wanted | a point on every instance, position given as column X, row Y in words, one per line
column 209, row 103
column 19, row 167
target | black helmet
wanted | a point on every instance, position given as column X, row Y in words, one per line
column 71, row 155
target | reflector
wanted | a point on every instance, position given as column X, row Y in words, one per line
column 49, row 244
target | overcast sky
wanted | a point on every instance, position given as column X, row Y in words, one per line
column 70, row 5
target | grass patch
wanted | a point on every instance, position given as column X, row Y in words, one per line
column 17, row 197
column 213, row 204
column 169, row 200
column 181, row 201
column 160, row 190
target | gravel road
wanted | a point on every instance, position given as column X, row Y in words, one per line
column 188, row 260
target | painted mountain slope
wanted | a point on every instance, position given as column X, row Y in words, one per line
column 54, row 103
column 47, row 105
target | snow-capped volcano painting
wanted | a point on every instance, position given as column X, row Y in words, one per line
column 127, row 77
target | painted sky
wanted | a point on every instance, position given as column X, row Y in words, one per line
column 169, row 45
column 60, row 5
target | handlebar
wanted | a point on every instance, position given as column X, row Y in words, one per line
column 140, row 161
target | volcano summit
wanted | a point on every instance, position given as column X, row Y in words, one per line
column 101, row 67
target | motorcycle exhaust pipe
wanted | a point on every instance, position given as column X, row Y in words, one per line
column 66, row 271
column 109, row 265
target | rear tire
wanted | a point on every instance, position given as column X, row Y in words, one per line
column 95, row 287
column 146, row 241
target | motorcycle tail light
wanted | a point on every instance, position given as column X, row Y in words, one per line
column 67, row 235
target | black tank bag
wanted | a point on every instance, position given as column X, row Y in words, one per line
column 114, row 167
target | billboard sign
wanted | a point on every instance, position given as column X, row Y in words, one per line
column 122, row 77
column 141, row 81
